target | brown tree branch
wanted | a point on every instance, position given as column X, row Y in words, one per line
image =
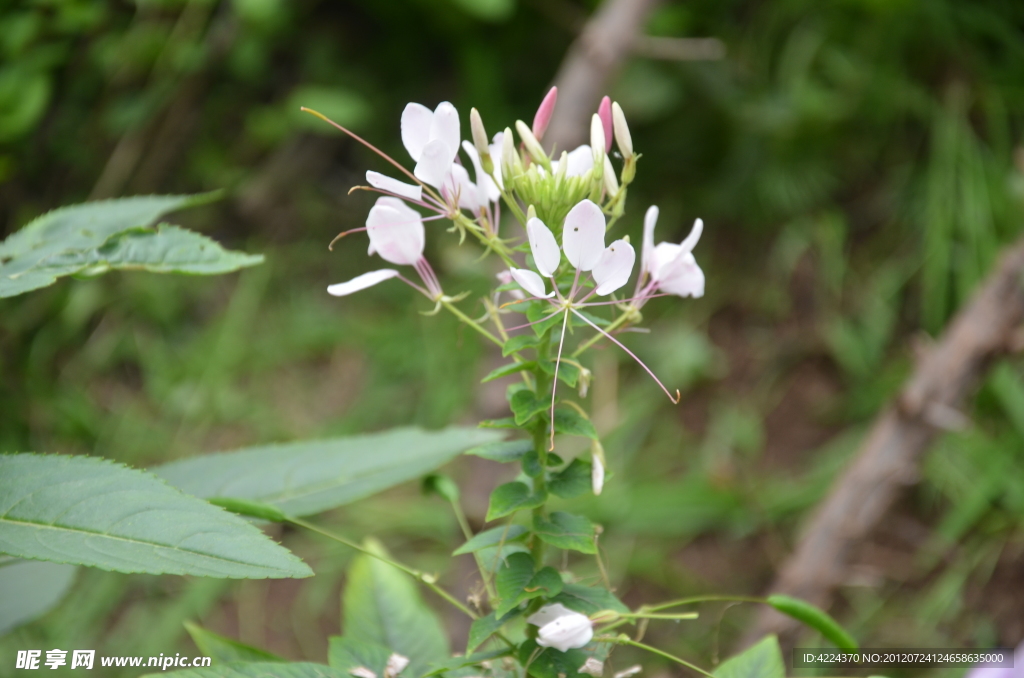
column 984, row 329
column 607, row 39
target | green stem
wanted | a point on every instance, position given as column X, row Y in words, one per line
column 703, row 599
column 627, row 641
column 422, row 577
column 644, row 615
column 467, row 531
column 469, row 321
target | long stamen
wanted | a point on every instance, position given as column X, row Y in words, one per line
column 623, row 301
column 675, row 399
column 415, row 287
column 341, row 235
column 373, row 189
column 554, row 382
column 370, row 146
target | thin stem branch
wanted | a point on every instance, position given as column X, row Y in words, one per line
column 622, row 640
column 469, row 321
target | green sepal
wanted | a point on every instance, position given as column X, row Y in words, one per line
column 511, row 497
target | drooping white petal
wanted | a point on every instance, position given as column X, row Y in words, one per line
column 505, row 277
column 396, row 231
column 434, row 164
column 614, row 267
column 445, row 126
column 647, row 249
column 416, row 122
column 583, row 235
column 690, row 241
column 391, row 185
column 459, row 184
column 682, row 277
column 580, row 161
column 596, row 474
column 496, row 146
column 530, row 281
column 565, row 631
column 361, row 282
column 544, row 247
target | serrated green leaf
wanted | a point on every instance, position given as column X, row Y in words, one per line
column 503, row 452
column 506, row 370
column 92, row 238
column 382, row 606
column 519, row 343
column 572, row 481
column 543, row 317
column 761, row 660
column 347, row 653
column 510, row 581
column 90, row 511
column 589, row 599
column 566, row 531
column 814, row 617
column 526, row 405
column 224, row 650
column 310, row 477
column 546, row 582
column 31, row 588
column 491, row 537
column 571, row 422
column 258, row 670
column 511, row 497
column 251, row 509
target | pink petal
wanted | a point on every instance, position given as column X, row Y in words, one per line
column 604, row 111
column 396, row 231
column 544, row 112
column 416, row 120
column 530, row 281
column 583, row 235
column 614, row 268
column 361, row 282
column 434, row 164
column 400, row 188
column 544, row 247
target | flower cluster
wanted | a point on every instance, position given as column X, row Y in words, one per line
column 573, row 198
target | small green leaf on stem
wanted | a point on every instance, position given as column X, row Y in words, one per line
column 512, row 578
column 571, row 422
column 566, row 531
column 572, row 481
column 506, row 370
column 511, row 497
column 519, row 342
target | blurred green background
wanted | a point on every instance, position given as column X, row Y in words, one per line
column 856, row 162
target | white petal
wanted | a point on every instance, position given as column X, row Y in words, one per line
column 416, row 120
column 597, row 474
column 580, row 161
column 386, row 183
column 485, row 185
column 647, row 250
column 396, row 231
column 361, row 282
column 434, row 164
column 690, row 241
column 460, row 184
column 530, row 281
column 445, row 126
column 683, row 277
column 396, row 664
column 548, row 614
column 614, row 267
column 583, row 235
column 544, row 247
column 663, row 255
column 495, row 148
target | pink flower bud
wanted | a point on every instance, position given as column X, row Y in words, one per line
column 604, row 111
column 544, row 112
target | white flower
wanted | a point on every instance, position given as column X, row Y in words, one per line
column 671, row 267
column 432, row 139
column 561, row 628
